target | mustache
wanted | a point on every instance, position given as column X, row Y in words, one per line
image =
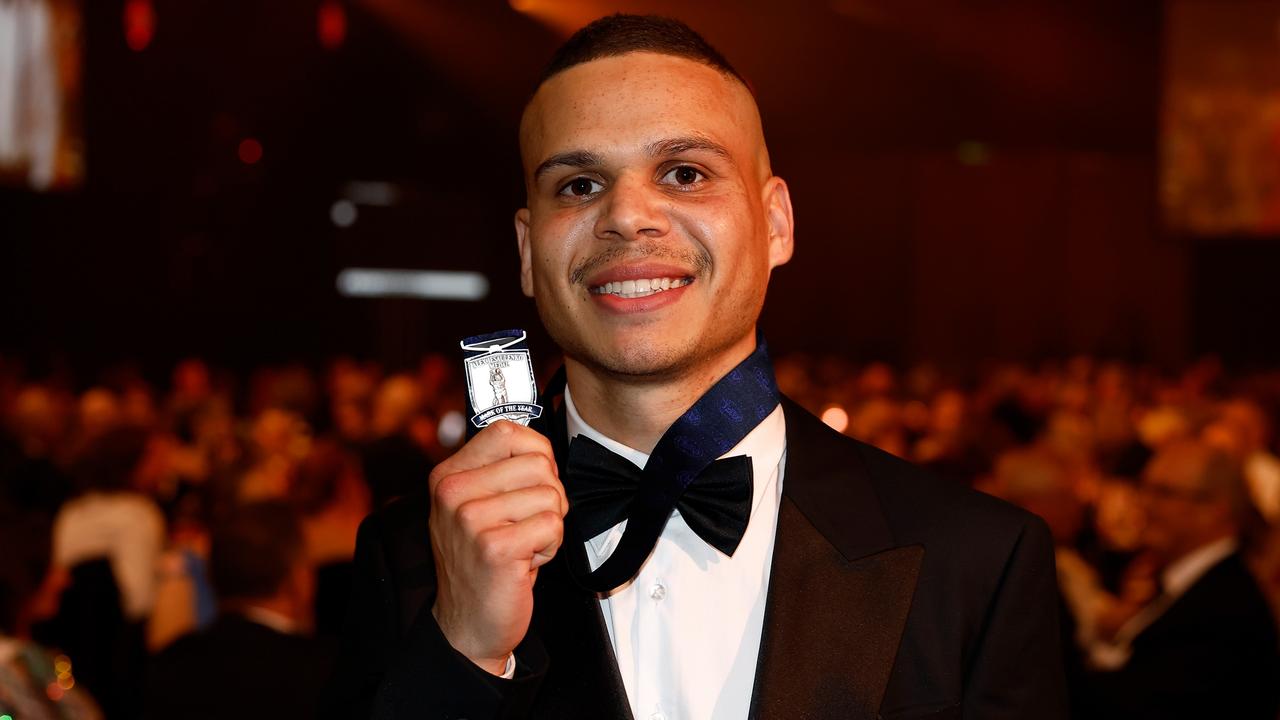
column 699, row 260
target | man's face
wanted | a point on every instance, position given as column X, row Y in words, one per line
column 1182, row 514
column 652, row 219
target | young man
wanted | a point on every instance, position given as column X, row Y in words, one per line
column 800, row 574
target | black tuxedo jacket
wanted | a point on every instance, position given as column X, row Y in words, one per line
column 1212, row 653
column 891, row 595
column 237, row 668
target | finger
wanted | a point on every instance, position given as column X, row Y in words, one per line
column 511, row 507
column 520, row 542
column 499, row 441
column 515, row 473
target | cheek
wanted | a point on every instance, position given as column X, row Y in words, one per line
column 558, row 242
column 726, row 228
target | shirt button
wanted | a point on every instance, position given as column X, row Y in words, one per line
column 657, row 592
column 658, row 715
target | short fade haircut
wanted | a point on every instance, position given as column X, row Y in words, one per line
column 620, row 34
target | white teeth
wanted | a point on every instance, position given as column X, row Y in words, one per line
column 640, row 288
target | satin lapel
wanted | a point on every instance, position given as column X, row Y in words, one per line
column 583, row 679
column 839, row 591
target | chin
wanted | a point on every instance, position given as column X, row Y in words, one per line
column 640, row 360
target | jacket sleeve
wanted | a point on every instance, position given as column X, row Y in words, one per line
column 1016, row 671
column 385, row 672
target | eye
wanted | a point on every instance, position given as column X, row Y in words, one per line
column 683, row 175
column 581, row 187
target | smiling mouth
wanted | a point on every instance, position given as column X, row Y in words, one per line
column 629, row 289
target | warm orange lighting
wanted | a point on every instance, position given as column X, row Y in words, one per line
column 331, row 24
column 250, row 151
column 836, row 418
column 139, row 24
column 564, row 16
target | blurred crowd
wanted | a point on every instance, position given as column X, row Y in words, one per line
column 184, row 549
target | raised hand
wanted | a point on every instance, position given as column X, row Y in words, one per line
column 497, row 515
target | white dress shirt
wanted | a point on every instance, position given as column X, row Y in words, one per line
column 125, row 527
column 686, row 629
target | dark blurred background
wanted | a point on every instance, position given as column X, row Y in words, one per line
column 972, row 179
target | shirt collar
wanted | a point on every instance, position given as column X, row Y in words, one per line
column 270, row 618
column 1182, row 573
column 764, row 445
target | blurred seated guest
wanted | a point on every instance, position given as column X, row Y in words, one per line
column 255, row 660
column 109, row 519
column 34, row 683
column 330, row 492
column 279, row 439
column 108, row 537
column 1240, row 428
column 396, row 463
column 351, row 386
column 34, row 428
column 947, row 446
column 1206, row 645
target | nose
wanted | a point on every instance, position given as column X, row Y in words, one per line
column 632, row 210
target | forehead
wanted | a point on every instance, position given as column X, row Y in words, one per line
column 635, row 99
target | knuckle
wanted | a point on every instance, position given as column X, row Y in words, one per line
column 546, row 466
column 468, row 515
column 448, row 490
column 490, row 547
column 550, row 521
column 437, row 474
column 550, row 495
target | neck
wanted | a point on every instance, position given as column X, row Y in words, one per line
column 636, row 411
column 1204, row 541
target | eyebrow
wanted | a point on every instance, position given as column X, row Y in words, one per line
column 658, row 148
column 678, row 145
column 573, row 159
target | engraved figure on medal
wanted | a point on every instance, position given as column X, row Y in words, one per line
column 498, row 381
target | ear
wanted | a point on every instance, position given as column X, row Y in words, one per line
column 781, row 222
column 526, row 252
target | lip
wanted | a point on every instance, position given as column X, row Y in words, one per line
column 648, row 303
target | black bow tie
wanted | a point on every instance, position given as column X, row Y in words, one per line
column 603, row 488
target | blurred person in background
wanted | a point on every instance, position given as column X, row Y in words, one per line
column 257, row 659
column 396, row 462
column 35, row 426
column 351, row 386
column 947, row 444
column 110, row 519
column 1206, row 645
column 35, row 684
column 1241, row 428
column 278, row 440
column 109, row 537
column 1037, row 480
column 330, row 493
